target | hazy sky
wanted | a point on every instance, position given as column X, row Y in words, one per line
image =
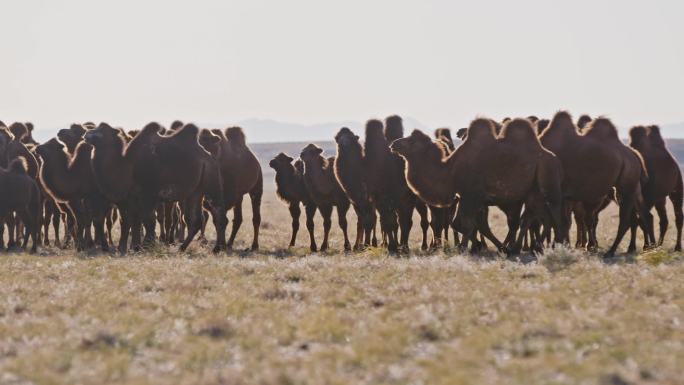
column 441, row 62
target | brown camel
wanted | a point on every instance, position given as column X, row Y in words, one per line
column 19, row 193
column 594, row 163
column 71, row 136
column 352, row 176
column 664, row 180
column 240, row 174
column 174, row 168
column 484, row 170
column 325, row 192
column 444, row 134
column 291, row 189
column 71, row 181
column 583, row 121
column 405, row 199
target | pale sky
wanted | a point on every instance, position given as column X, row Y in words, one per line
column 440, row 62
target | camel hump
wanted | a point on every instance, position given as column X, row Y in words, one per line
column 518, row 131
column 637, row 134
column 18, row 166
column 374, row 131
column 299, row 166
column 394, row 128
column 562, row 121
column 655, row 136
column 189, row 133
column 236, row 135
column 481, row 130
column 150, row 128
column 601, row 128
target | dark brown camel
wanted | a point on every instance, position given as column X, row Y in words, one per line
column 326, row 193
column 174, row 168
column 291, row 189
column 71, row 136
column 583, row 121
column 71, row 181
column 484, row 170
column 664, row 180
column 594, row 163
column 352, row 176
column 240, row 174
column 405, row 198
column 19, row 193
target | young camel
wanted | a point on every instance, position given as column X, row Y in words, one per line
column 291, row 189
column 320, row 182
column 664, row 180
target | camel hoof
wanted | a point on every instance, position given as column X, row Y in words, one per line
column 313, row 248
column 216, row 249
column 347, row 247
column 678, row 248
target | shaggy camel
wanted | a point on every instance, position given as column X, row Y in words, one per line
column 291, row 189
column 71, row 181
column 351, row 175
column 485, row 171
column 19, row 193
column 594, row 163
column 664, row 180
column 240, row 174
column 405, row 198
column 174, row 168
column 320, row 182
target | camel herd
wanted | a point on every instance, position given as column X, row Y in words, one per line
column 540, row 173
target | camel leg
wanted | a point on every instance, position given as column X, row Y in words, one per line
column 255, row 199
column 626, row 206
column 109, row 223
column 193, row 214
column 374, row 238
column 220, row 219
column 10, row 221
column 203, row 226
column 422, row 210
column 662, row 217
column 676, row 199
column 47, row 218
column 237, row 222
column 310, row 212
column 370, row 219
column 168, row 222
column 633, row 226
column 342, row 209
column 436, row 220
column 326, row 213
column 406, row 221
column 359, row 230
column 295, row 212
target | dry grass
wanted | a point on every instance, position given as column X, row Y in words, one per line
column 284, row 317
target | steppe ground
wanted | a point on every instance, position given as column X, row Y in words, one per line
column 285, row 316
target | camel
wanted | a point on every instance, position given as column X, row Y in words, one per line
column 484, row 170
column 583, row 121
column 351, row 175
column 71, row 181
column 71, row 136
column 664, row 180
column 173, row 168
column 594, row 162
column 19, row 193
column 325, row 192
column 291, row 189
column 240, row 174
column 406, row 200
column 444, row 134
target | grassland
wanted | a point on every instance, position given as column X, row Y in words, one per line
column 282, row 316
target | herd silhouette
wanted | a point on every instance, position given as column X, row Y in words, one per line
column 541, row 173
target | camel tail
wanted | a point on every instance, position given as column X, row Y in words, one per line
column 18, row 166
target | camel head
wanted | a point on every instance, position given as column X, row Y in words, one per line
column 72, row 135
column 176, row 125
column 444, row 134
column 583, row 121
column 19, row 130
column 5, row 138
column 104, row 134
column 541, row 125
column 482, row 130
column 412, row 146
column 47, row 149
column 281, row 161
column 345, row 138
column 462, row 133
column 311, row 152
column 210, row 141
column 89, row 125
